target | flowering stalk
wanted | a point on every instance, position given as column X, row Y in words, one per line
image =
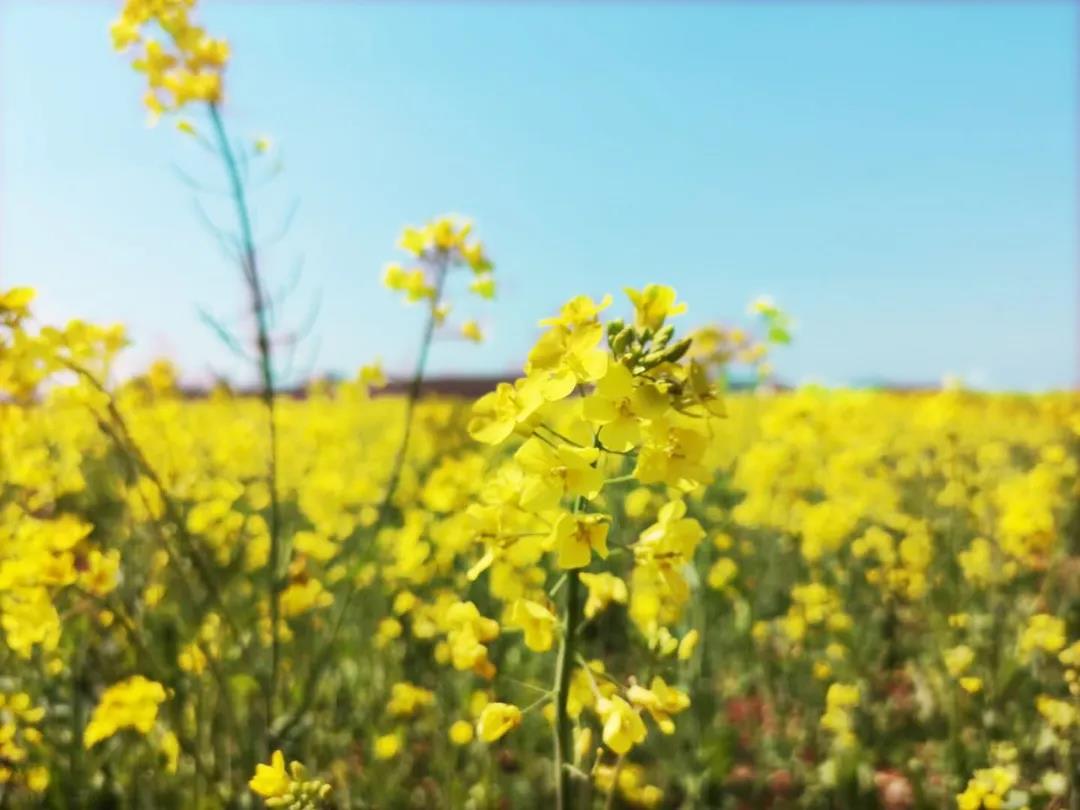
column 441, row 245
column 259, row 312
column 563, row 668
column 442, row 265
column 640, row 402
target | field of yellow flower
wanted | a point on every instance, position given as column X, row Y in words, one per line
column 611, row 583
column 806, row 599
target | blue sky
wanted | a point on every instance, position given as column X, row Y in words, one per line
column 901, row 177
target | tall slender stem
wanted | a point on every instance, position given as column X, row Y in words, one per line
column 441, row 268
column 564, row 797
column 259, row 312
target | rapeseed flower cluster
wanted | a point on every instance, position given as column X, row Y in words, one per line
column 180, row 61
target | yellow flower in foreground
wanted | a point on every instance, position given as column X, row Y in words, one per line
column 496, row 720
column 498, row 413
column 575, row 537
column 623, row 727
column 653, row 305
column 271, row 781
column 538, row 623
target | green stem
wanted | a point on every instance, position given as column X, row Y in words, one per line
column 259, row 312
column 563, row 668
column 441, row 268
column 609, row 803
column 78, row 726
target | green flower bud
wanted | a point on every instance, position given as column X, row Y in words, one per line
column 675, row 353
column 622, row 340
column 663, row 336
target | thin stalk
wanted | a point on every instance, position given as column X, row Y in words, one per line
column 441, row 268
column 259, row 313
column 75, row 783
column 609, row 803
column 563, row 668
column 564, row 798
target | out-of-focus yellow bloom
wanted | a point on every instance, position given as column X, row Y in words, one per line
column 496, row 720
column 603, row 588
column 470, row 330
column 840, row 702
column 408, row 698
column 1058, row 713
column 388, row 746
column 128, row 704
column 537, row 621
column 1044, row 633
column 986, row 789
column 722, row 573
column 461, row 732
column 659, row 700
column 971, row 684
column 958, row 659
column 302, row 597
column 484, row 286
column 187, row 67
column 271, row 781
column 623, row 727
column 288, row 788
column 687, row 645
